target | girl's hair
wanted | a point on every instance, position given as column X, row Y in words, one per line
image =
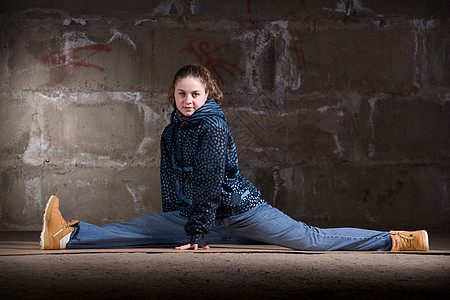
column 202, row 74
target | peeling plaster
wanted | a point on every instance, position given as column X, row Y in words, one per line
column 36, row 151
column 339, row 149
column 420, row 28
column 73, row 39
column 358, row 7
column 137, row 194
column 259, row 41
column 145, row 142
column 165, row 7
column 117, row 35
column 149, row 114
column 141, row 21
column 372, row 103
column 287, row 74
column 33, row 196
column 447, row 97
column 195, row 7
column 82, row 22
column 350, row 7
column 325, row 108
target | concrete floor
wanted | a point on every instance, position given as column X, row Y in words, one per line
column 224, row 272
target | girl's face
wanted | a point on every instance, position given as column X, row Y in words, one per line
column 190, row 95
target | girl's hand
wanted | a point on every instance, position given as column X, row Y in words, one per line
column 189, row 246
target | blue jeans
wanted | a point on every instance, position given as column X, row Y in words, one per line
column 260, row 225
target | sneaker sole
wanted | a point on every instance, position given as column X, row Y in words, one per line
column 425, row 242
column 44, row 232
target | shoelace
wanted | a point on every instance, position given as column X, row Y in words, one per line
column 70, row 223
column 407, row 240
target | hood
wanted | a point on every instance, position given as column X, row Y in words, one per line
column 210, row 108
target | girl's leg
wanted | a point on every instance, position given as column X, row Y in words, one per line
column 159, row 230
column 269, row 225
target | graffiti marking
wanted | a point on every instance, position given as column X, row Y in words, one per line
column 205, row 51
column 296, row 47
column 78, row 56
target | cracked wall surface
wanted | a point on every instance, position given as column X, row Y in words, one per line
column 340, row 109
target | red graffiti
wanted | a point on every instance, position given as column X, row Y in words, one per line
column 77, row 57
column 303, row 4
column 205, row 51
column 297, row 48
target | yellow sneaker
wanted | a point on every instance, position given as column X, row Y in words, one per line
column 55, row 230
column 409, row 240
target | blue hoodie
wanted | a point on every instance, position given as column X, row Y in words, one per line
column 200, row 172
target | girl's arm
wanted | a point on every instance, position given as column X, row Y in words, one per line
column 166, row 176
column 209, row 174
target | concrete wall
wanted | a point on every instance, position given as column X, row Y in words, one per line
column 340, row 109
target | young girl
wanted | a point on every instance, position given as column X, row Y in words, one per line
column 206, row 200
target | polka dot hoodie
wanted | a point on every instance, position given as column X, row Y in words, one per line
column 200, row 172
